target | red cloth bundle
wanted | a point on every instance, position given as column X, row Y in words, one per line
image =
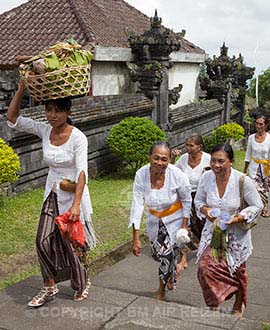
column 72, row 231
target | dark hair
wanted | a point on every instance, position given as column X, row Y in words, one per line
column 264, row 117
column 224, row 147
column 197, row 139
column 160, row 144
column 69, row 121
column 63, row 104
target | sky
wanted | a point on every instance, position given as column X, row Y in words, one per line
column 244, row 25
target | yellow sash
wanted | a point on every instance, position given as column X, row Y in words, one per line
column 170, row 210
column 265, row 162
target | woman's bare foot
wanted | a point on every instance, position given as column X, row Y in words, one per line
column 238, row 307
column 184, row 261
column 238, row 312
column 170, row 283
column 161, row 291
column 265, row 212
column 179, row 268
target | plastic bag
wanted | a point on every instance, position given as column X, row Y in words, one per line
column 72, row 231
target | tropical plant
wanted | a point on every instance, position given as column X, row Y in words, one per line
column 132, row 138
column 9, row 163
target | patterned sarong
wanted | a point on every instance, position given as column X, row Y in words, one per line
column 216, row 281
column 166, row 253
column 262, row 185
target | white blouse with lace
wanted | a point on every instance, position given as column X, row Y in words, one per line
column 195, row 173
column 257, row 150
column 66, row 161
column 176, row 186
column 239, row 241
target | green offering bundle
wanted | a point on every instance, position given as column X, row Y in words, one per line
column 59, row 71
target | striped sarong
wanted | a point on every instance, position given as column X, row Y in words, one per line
column 56, row 256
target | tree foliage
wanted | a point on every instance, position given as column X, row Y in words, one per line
column 263, row 87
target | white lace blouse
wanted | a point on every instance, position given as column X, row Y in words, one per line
column 239, row 241
column 195, row 173
column 176, row 186
column 66, row 161
column 257, row 150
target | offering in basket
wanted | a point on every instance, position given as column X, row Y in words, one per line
column 59, row 71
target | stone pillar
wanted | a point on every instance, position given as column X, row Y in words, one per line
column 163, row 99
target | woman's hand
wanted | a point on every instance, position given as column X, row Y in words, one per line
column 235, row 219
column 21, row 86
column 207, row 212
column 175, row 153
column 75, row 213
column 185, row 223
column 136, row 247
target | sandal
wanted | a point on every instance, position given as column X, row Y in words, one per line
column 81, row 295
column 46, row 293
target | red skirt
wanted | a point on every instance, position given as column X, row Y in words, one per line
column 216, row 281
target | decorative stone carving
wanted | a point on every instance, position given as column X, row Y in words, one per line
column 225, row 80
column 151, row 52
column 218, row 75
column 174, row 94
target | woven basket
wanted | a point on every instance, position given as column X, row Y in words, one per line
column 59, row 83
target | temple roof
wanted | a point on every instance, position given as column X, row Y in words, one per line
column 37, row 24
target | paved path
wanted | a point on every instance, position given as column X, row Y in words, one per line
column 121, row 298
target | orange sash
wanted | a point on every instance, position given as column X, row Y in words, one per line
column 170, row 210
column 265, row 162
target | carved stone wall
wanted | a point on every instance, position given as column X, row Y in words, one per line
column 8, row 83
column 198, row 117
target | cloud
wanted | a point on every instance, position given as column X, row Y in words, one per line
column 7, row 5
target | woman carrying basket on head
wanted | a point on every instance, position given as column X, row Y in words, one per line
column 164, row 189
column 65, row 152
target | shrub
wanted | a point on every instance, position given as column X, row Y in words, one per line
column 9, row 163
column 223, row 134
column 132, row 138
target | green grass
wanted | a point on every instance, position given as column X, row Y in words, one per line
column 238, row 163
column 111, row 198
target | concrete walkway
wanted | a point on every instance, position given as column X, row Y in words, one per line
column 122, row 298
